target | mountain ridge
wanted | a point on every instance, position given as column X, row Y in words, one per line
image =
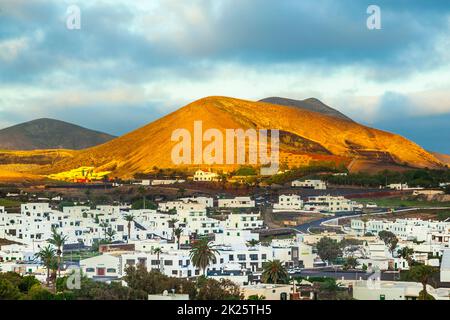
column 47, row 133
column 151, row 145
column 310, row 104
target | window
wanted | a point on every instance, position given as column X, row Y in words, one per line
column 253, row 257
column 241, row 257
column 111, row 270
column 130, row 262
column 231, row 257
column 90, row 270
column 264, row 256
column 168, row 262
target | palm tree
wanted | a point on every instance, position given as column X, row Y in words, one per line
column 274, row 272
column 364, row 220
column 58, row 241
column 406, row 253
column 129, row 218
column 158, row 251
column 104, row 226
column 172, row 225
column 178, row 232
column 111, row 233
column 252, row 243
column 422, row 273
column 202, row 254
column 181, row 191
column 47, row 257
column 142, row 190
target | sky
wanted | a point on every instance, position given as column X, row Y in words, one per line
column 132, row 62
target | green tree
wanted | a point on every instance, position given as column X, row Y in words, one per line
column 142, row 192
column 423, row 274
column 104, row 226
column 47, row 257
column 58, row 240
column 129, row 218
column 274, row 272
column 210, row 289
column 110, row 234
column 36, row 292
column 329, row 289
column 328, row 249
column 406, row 253
column 252, row 243
column 8, row 291
column 389, row 239
column 158, row 252
column 202, row 254
column 350, row 263
column 178, row 232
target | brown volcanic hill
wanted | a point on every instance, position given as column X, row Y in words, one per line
column 151, row 145
column 50, row 134
column 444, row 158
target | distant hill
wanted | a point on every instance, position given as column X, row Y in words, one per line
column 311, row 104
column 50, row 134
column 442, row 157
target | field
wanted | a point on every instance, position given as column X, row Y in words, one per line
column 399, row 202
column 8, row 203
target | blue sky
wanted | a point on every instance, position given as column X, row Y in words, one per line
column 134, row 61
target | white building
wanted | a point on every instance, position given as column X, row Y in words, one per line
column 331, row 204
column 405, row 229
column 445, row 266
column 201, row 175
column 288, row 203
column 237, row 202
column 314, row 184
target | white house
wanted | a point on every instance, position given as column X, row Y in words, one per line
column 288, row 203
column 314, row 184
column 105, row 266
column 237, row 202
column 201, row 175
column 330, row 204
column 445, row 266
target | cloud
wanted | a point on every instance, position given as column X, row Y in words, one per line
column 151, row 57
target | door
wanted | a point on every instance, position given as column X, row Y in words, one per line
column 100, row 271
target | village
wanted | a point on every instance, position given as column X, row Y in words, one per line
column 310, row 241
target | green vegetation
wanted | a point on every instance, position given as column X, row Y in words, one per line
column 414, row 178
column 443, row 215
column 153, row 282
column 7, row 203
column 139, row 204
column 274, row 272
column 389, row 239
column 328, row 249
column 202, row 254
column 313, row 168
column 399, row 202
column 326, row 288
column 245, row 171
column 423, row 274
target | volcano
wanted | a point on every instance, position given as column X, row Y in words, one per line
column 305, row 136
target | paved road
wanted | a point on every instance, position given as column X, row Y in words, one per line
column 314, row 224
